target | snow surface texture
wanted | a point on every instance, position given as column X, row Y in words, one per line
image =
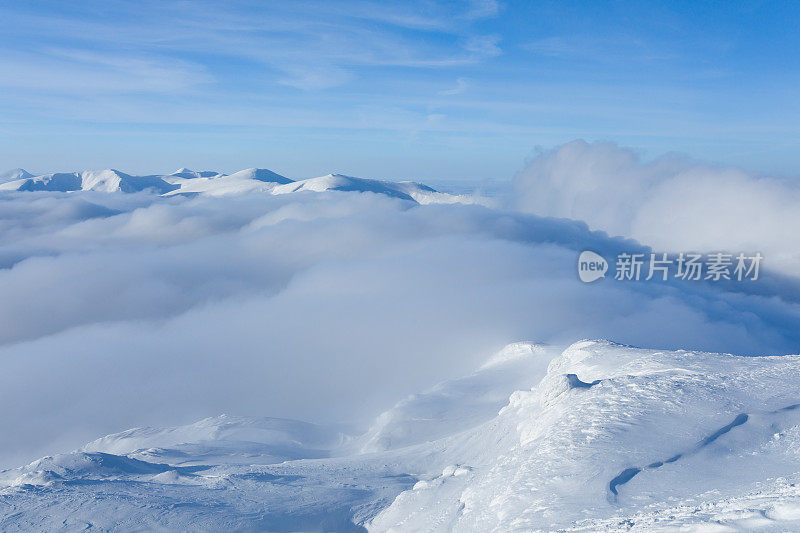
column 609, row 437
column 620, row 438
column 354, row 305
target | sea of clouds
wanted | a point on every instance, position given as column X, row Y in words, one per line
column 122, row 310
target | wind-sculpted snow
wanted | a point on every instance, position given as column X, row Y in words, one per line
column 453, row 405
column 709, row 430
column 545, row 459
column 268, row 440
column 223, row 473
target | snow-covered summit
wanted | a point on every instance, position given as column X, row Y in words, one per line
column 598, row 436
column 618, row 437
column 406, row 190
column 184, row 172
column 260, row 174
column 251, row 180
column 340, row 182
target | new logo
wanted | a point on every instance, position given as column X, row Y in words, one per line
column 591, row 266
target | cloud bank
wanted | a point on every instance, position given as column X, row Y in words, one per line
column 671, row 203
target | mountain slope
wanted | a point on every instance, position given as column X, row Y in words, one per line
column 15, row 174
column 609, row 437
column 108, row 180
column 613, row 437
column 242, row 182
column 340, row 182
column 405, row 190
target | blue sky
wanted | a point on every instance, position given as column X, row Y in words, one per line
column 424, row 90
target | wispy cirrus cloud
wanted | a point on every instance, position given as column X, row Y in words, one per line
column 540, row 74
column 69, row 71
column 307, row 45
column 461, row 85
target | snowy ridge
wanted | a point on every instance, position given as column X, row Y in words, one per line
column 108, row 180
column 15, row 174
column 244, row 181
column 456, row 405
column 189, row 174
column 609, row 437
column 565, row 450
column 406, row 190
column 211, row 183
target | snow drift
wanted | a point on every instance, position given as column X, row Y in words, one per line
column 614, row 438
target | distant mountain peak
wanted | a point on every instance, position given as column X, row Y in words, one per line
column 183, row 170
column 261, row 174
column 15, row 174
column 188, row 174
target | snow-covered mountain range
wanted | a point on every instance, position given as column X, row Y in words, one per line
column 184, row 181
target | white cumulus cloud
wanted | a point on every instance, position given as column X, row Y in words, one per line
column 670, row 203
